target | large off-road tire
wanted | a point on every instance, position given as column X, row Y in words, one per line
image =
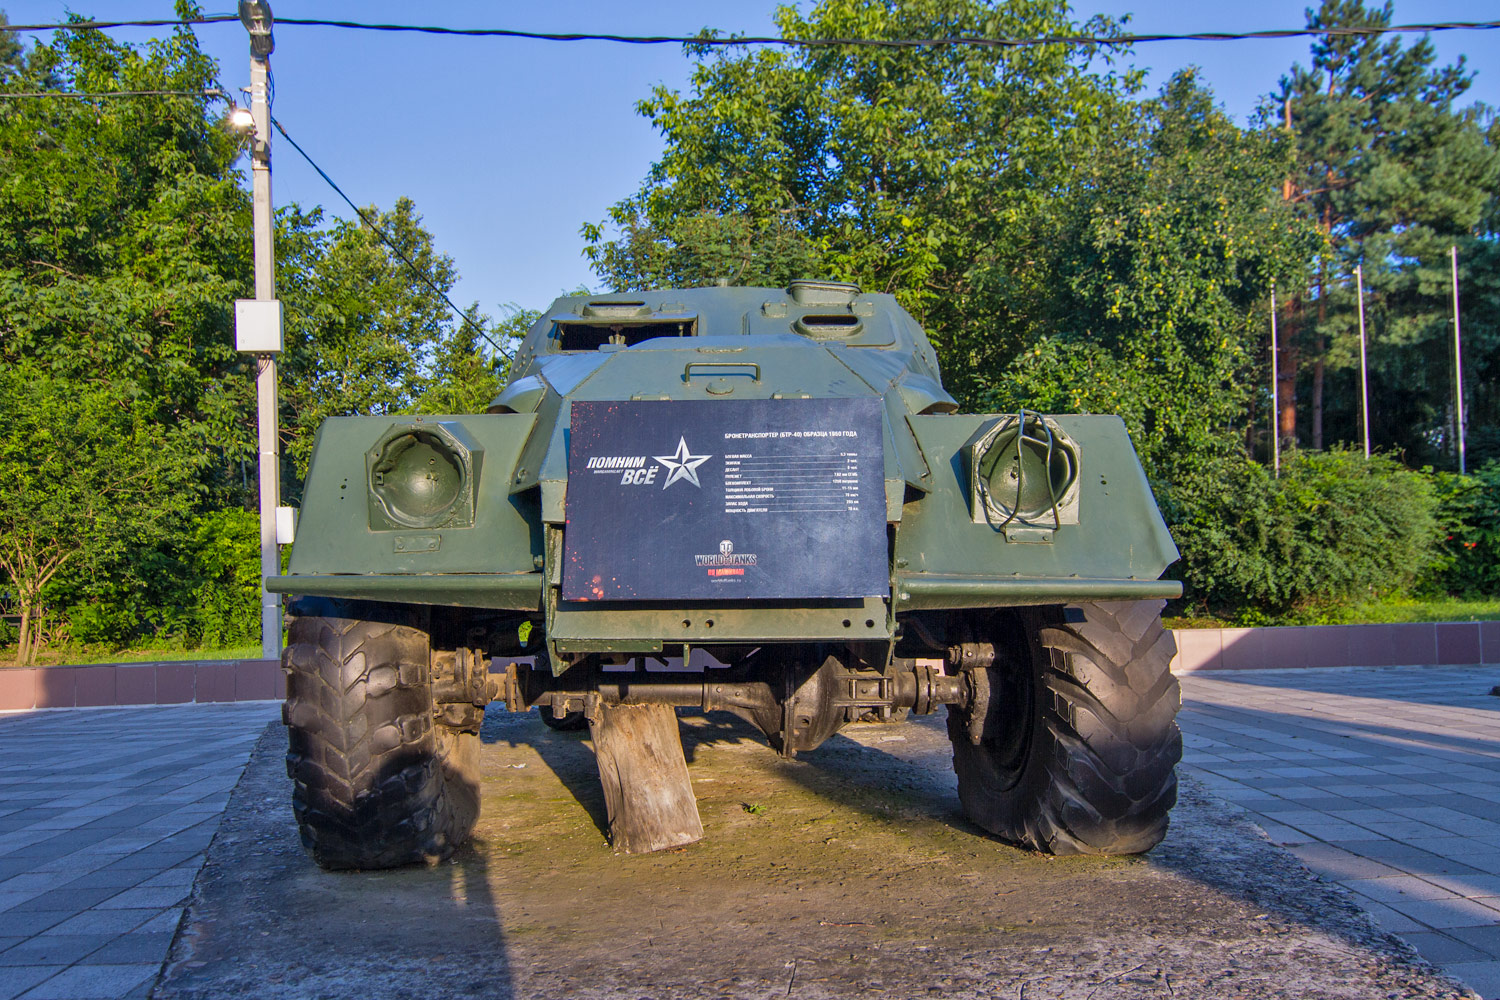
column 377, row 782
column 1079, row 742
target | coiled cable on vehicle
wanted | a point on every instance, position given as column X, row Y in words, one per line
column 1044, row 439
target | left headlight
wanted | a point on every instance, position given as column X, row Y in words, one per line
column 422, row 476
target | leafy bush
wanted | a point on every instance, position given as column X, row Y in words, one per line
column 1334, row 527
column 198, row 589
column 224, row 557
column 1468, row 512
column 103, row 622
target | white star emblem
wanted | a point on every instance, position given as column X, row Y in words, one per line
column 682, row 465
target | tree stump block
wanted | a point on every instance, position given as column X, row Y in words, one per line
column 644, row 773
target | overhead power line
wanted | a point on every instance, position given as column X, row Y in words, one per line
column 167, row 22
column 717, row 41
column 110, row 93
column 384, row 238
column 942, row 42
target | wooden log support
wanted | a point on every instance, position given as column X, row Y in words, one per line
column 644, row 773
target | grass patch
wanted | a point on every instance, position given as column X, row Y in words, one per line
column 1378, row 612
column 100, row 654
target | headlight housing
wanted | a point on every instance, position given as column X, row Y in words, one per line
column 1023, row 471
column 423, row 474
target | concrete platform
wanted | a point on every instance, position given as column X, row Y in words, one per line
column 845, row 874
column 850, row 874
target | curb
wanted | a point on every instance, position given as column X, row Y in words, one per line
column 1407, row 644
column 188, row 682
column 178, row 682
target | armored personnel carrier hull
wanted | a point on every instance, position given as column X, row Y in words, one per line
column 753, row 500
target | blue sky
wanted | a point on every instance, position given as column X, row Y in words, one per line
column 508, row 146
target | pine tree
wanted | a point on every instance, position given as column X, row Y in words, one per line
column 1393, row 172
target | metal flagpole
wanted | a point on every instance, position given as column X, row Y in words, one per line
column 1364, row 371
column 1275, row 406
column 1458, row 363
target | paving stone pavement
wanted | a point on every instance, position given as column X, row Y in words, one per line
column 1383, row 779
column 1386, row 780
column 104, row 818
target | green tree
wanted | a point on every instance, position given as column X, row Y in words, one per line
column 123, row 242
column 1394, row 172
column 1066, row 247
column 366, row 334
column 1164, row 249
column 12, row 55
column 1479, row 278
column 124, row 239
column 467, row 373
column 87, row 473
column 700, row 249
column 916, row 172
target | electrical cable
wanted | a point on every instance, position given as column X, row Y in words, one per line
column 166, row 22
column 949, row 41
column 711, row 40
column 111, row 93
column 375, row 228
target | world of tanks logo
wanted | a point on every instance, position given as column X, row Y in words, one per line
column 726, row 562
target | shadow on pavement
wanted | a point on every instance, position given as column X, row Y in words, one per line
column 266, row 922
column 846, row 874
column 1362, row 797
column 568, row 754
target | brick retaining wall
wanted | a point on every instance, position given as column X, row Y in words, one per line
column 1407, row 644
column 173, row 683
column 184, row 682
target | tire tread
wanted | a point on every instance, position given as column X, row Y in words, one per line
column 375, row 783
column 1101, row 775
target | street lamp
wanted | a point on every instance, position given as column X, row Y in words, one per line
column 258, row 323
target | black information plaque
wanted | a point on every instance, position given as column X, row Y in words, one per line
column 725, row 500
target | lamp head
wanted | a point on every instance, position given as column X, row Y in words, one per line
column 255, row 15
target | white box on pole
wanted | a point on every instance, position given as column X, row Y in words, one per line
column 286, row 525
column 257, row 326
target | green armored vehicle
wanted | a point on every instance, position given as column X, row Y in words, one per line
column 745, row 499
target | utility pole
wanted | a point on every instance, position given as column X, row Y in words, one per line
column 258, row 321
column 1287, row 422
column 1275, row 410
column 1364, row 379
column 1458, row 363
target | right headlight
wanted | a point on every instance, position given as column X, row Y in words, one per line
column 1024, row 471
